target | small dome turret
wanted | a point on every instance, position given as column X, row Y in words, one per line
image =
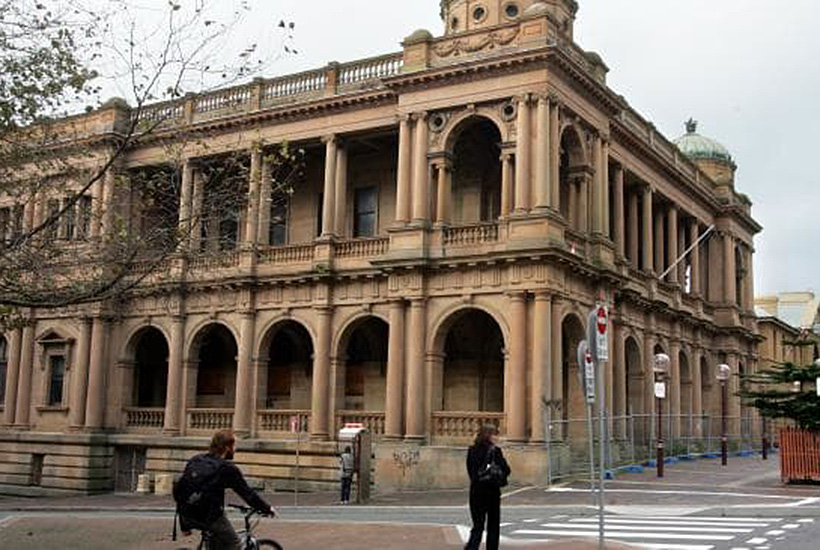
column 698, row 147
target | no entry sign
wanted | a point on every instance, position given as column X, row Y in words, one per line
column 601, row 337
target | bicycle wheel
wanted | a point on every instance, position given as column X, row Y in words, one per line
column 270, row 544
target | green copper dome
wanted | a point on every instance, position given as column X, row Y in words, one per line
column 698, row 147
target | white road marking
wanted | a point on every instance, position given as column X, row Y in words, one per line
column 673, row 546
column 622, row 535
column 672, row 522
column 775, row 532
column 705, row 518
column 807, row 502
column 690, row 493
column 791, row 526
column 530, row 521
column 650, row 528
column 757, row 541
column 805, row 521
column 505, row 524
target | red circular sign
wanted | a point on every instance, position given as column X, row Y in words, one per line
column 602, row 320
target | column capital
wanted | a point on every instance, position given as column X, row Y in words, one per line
column 418, row 302
column 524, row 98
column 517, row 295
column 404, row 117
column 323, row 309
column 421, row 116
column 330, row 138
column 544, row 295
column 442, row 159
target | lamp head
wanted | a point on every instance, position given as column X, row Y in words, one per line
column 724, row 371
column 661, row 363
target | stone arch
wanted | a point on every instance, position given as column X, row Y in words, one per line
column 441, row 324
column 687, row 390
column 147, row 352
column 285, row 364
column 194, row 332
column 475, row 148
column 469, row 375
column 214, row 350
column 457, row 124
column 361, row 364
column 573, row 332
column 573, row 173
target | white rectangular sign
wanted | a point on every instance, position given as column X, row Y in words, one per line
column 660, row 390
column 601, row 334
column 589, row 372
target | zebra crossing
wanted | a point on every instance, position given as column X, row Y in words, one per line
column 659, row 532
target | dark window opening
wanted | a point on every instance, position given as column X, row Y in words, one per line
column 365, row 212
column 56, row 379
column 36, row 473
column 278, row 232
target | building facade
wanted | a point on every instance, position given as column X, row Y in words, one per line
column 466, row 202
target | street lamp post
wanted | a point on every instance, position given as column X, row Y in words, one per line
column 724, row 371
column 660, row 367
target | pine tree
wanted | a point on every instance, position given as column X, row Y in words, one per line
column 785, row 391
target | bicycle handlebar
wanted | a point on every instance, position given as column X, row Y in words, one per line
column 247, row 510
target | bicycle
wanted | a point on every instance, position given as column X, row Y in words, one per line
column 249, row 542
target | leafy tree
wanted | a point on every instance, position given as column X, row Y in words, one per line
column 785, row 391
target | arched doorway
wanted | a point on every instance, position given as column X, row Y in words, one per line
column 572, row 179
column 286, row 382
column 476, row 172
column 687, row 421
column 635, row 390
column 574, row 406
column 363, row 376
column 150, row 369
column 215, row 352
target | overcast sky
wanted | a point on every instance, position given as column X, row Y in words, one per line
column 746, row 69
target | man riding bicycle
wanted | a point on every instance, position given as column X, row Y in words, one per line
column 200, row 493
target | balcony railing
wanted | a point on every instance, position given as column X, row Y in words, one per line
column 287, row 254
column 370, row 69
column 465, row 424
column 281, row 421
column 362, row 248
column 144, row 417
column 210, row 419
column 219, row 260
column 471, row 234
column 373, row 421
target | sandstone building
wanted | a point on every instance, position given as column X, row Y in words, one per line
column 466, row 202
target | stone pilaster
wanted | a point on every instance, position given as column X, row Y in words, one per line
column 95, row 405
column 320, row 413
column 403, row 183
column 79, row 378
column 542, row 154
column 517, row 373
column 244, row 404
column 522, row 156
column 541, row 387
column 22, row 416
column 340, row 215
column 648, row 236
column 421, row 171
column 12, row 376
column 620, row 218
column 417, row 343
column 176, row 352
column 672, row 240
column 394, row 395
column 329, row 197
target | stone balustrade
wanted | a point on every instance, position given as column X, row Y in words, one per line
column 361, row 248
column 370, row 69
column 296, row 254
column 465, row 424
column 210, row 419
column 144, row 417
column 218, row 260
column 281, row 420
column 470, row 234
column 373, row 421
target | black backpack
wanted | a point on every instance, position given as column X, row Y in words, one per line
column 491, row 473
column 192, row 492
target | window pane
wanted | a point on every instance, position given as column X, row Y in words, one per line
column 365, row 212
column 55, row 392
column 279, row 221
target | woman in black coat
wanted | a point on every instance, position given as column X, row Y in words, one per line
column 485, row 494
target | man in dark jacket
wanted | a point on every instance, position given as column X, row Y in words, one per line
column 221, row 474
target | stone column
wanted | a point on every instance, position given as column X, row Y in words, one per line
column 173, row 400
column 648, row 237
column 681, row 249
column 340, row 216
column 95, row 406
column 542, row 359
column 245, row 391
column 517, row 375
column 197, row 214
column 675, row 387
column 417, row 344
column 265, row 202
column 108, row 207
column 598, row 186
column 619, row 375
column 648, row 375
column 583, row 203
column 605, row 185
column 672, row 239
column 23, row 413
column 420, row 171
column 394, row 395
column 444, row 193
column 660, row 251
column 750, row 281
column 506, row 183
column 185, row 199
column 254, row 198
column 697, row 391
column 321, row 376
column 694, row 235
column 572, row 208
column 12, row 377
column 729, row 269
column 404, row 172
column 79, row 378
column 542, row 154
column 522, row 157
column 620, row 219
column 555, row 156
column 329, row 198
column 556, row 371
column 633, row 232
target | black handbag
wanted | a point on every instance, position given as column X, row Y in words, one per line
column 491, row 473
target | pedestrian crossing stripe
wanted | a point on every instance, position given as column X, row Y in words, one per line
column 666, row 528
column 624, row 534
